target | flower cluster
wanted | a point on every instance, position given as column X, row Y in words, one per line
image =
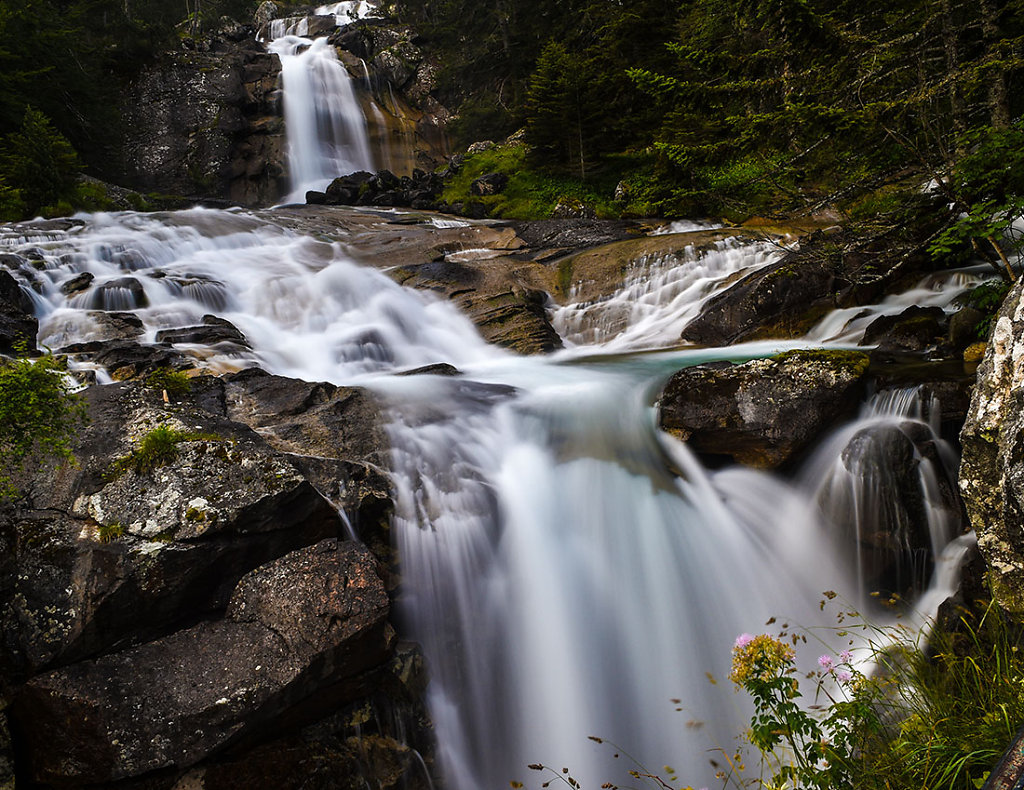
column 841, row 670
column 760, row 657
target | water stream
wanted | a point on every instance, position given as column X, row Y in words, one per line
column 568, row 568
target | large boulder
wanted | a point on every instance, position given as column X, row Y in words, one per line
column 129, row 542
column 297, row 634
column 992, row 472
column 762, row 413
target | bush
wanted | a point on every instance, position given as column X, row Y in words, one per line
column 38, row 416
column 173, row 382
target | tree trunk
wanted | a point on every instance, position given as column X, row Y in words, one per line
column 998, row 95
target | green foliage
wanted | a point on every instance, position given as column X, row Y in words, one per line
column 936, row 717
column 38, row 416
column 157, row 448
column 174, row 382
column 987, row 186
column 110, row 532
column 530, row 194
column 39, row 163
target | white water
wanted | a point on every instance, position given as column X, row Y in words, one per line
column 324, row 122
column 659, row 296
column 563, row 579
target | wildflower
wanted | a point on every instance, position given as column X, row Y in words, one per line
column 826, row 663
column 846, row 656
column 759, row 658
column 844, row 676
column 742, row 641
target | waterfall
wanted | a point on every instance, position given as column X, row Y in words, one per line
column 570, row 570
column 324, row 122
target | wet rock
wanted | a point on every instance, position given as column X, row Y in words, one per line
column 126, row 359
column 265, row 12
column 77, row 284
column 112, row 550
column 915, row 329
column 18, row 325
column 991, row 471
column 297, row 633
column 117, row 326
column 879, row 503
column 440, row 369
column 764, row 412
column 963, row 327
column 489, row 184
column 124, row 293
column 213, row 331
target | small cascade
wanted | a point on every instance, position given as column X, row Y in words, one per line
column 884, row 484
column 660, row 294
column 324, row 121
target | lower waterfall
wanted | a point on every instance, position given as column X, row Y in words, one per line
column 569, row 569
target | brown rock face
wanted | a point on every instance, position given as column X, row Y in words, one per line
column 296, row 633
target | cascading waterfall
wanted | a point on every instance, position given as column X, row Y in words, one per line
column 568, row 568
column 324, row 121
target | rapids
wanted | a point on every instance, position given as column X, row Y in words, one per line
column 569, row 569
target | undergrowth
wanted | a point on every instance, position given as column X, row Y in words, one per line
column 157, row 448
column 901, row 716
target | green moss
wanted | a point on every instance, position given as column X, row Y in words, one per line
column 530, row 193
column 565, row 277
column 857, row 361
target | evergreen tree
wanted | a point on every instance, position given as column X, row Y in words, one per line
column 39, row 163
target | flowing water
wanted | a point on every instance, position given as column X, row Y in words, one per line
column 569, row 569
column 326, row 127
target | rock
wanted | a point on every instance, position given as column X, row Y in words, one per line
column 877, row 500
column 18, row 325
column 265, row 12
column 765, row 412
column 480, row 147
column 213, row 331
column 489, row 184
column 205, row 124
column 124, row 293
column 103, row 552
column 77, row 284
column 963, row 327
column 915, row 329
column 127, row 359
column 296, row 635
column 991, row 472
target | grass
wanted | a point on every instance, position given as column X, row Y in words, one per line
column 174, row 382
column 157, row 448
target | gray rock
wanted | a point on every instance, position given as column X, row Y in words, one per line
column 914, row 329
column 489, row 184
column 18, row 325
column 297, row 634
column 103, row 553
column 991, row 471
column 764, row 412
column 205, row 124
column 78, row 283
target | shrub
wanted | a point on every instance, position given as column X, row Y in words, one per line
column 157, row 448
column 38, row 415
column 174, row 382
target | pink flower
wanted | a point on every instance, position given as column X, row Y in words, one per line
column 844, row 676
column 826, row 663
column 846, row 656
column 742, row 641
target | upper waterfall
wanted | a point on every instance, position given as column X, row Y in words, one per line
column 324, row 122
